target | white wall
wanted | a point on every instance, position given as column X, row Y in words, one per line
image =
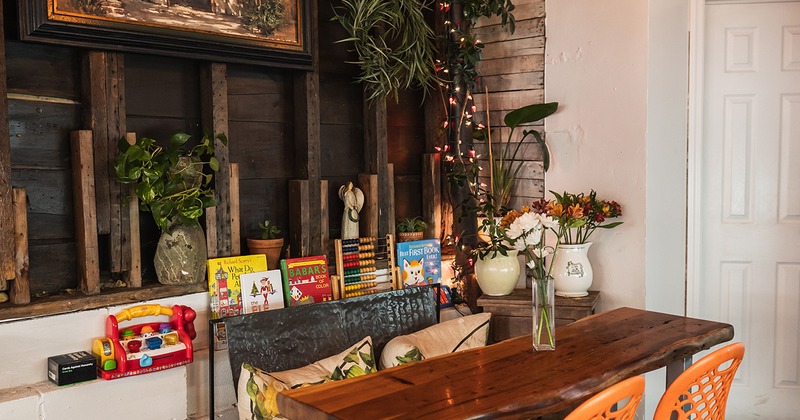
column 596, row 68
column 177, row 393
column 619, row 70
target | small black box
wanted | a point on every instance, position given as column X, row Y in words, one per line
column 70, row 368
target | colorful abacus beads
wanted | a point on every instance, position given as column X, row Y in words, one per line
column 358, row 286
column 360, row 292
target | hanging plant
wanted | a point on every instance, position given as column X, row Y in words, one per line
column 393, row 42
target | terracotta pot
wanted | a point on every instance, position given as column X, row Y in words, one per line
column 410, row 236
column 269, row 247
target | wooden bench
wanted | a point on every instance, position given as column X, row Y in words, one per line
column 289, row 338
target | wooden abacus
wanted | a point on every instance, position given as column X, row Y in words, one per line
column 364, row 266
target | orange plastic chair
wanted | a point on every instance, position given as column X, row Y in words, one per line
column 605, row 404
column 701, row 391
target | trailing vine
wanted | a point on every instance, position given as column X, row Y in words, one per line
column 393, row 42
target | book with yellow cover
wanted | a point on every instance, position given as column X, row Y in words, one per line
column 225, row 287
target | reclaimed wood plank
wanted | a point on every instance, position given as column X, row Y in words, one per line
column 523, row 64
column 236, row 232
column 299, row 216
column 57, row 70
column 524, row 29
column 20, row 292
column 376, row 160
column 85, row 212
column 514, row 48
column 7, row 262
column 432, row 194
column 508, row 101
column 133, row 276
column 368, row 217
column 214, row 99
column 95, row 118
column 523, row 11
column 119, row 223
column 513, row 82
column 211, row 232
column 389, row 206
column 67, row 302
column 308, row 163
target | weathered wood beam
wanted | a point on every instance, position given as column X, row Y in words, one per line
column 236, row 240
column 20, row 287
column 7, row 262
column 376, row 161
column 211, row 232
column 133, row 277
column 368, row 217
column 104, row 114
column 312, row 240
column 85, row 212
column 432, row 194
column 214, row 100
column 389, row 206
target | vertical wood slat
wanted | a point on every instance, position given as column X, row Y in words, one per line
column 7, row 264
column 376, row 156
column 120, row 223
column 299, row 218
column 236, row 239
column 85, row 212
column 20, row 292
column 389, row 206
column 133, row 276
column 432, row 194
column 214, row 99
column 211, row 232
column 325, row 234
column 368, row 217
column 308, row 153
column 95, row 118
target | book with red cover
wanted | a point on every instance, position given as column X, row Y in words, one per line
column 306, row 280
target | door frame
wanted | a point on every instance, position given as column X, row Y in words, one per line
column 694, row 156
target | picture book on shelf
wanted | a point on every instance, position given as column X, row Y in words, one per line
column 262, row 291
column 224, row 287
column 306, row 280
column 420, row 262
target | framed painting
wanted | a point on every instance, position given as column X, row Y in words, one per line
column 264, row 32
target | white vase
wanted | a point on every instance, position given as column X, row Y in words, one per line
column 497, row 276
column 572, row 270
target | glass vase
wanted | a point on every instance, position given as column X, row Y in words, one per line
column 544, row 321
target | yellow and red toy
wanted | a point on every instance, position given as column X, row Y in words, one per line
column 146, row 347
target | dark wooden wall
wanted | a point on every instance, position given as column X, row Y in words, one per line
column 162, row 95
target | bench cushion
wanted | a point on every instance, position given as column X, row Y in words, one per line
column 258, row 389
column 448, row 337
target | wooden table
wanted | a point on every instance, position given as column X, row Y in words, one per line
column 509, row 379
column 511, row 314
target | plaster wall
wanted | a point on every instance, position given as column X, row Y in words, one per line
column 596, row 69
column 178, row 393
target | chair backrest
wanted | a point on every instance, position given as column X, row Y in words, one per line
column 606, row 403
column 701, row 391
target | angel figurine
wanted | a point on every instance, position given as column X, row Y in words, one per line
column 353, row 202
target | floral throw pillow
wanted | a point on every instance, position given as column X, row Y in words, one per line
column 448, row 337
column 258, row 390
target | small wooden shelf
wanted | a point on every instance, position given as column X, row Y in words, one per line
column 511, row 315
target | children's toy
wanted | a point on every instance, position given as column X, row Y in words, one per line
column 146, row 347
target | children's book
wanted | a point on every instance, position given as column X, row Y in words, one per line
column 306, row 280
column 262, row 291
column 420, row 262
column 224, row 288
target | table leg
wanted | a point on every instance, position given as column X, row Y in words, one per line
column 676, row 368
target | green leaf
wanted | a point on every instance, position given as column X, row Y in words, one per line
column 529, row 114
column 213, row 163
column 178, row 139
column 610, row 225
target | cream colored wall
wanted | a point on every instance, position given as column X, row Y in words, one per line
column 596, row 68
column 177, row 393
column 619, row 69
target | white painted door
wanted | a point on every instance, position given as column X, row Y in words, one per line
column 750, row 246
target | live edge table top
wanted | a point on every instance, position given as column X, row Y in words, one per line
column 510, row 379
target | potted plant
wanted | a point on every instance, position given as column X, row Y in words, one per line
column 270, row 243
column 410, row 229
column 173, row 184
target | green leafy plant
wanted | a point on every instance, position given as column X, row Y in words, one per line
column 269, row 230
column 393, row 42
column 263, row 16
column 411, row 224
column 170, row 181
column 505, row 168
